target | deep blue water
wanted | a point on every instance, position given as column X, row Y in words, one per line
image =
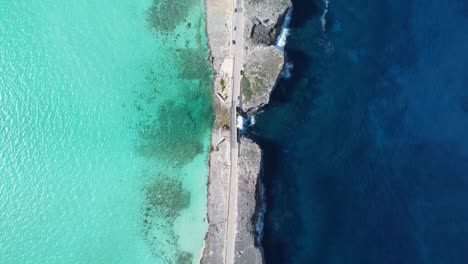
column 366, row 145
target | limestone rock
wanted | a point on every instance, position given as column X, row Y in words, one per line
column 263, row 62
column 247, row 251
column 261, row 70
column 262, row 35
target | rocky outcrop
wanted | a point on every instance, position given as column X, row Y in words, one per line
column 262, row 34
column 270, row 12
column 250, row 157
column 264, row 19
column 263, row 22
column 262, row 65
column 265, row 27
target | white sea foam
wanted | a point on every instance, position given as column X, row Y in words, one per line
column 323, row 18
column 240, row 122
column 287, row 70
column 282, row 38
column 261, row 213
column 252, row 120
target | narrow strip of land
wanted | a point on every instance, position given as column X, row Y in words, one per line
column 237, row 53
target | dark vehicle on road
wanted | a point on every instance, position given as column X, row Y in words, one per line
column 233, row 42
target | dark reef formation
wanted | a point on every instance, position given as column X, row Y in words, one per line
column 165, row 16
column 172, row 130
column 165, row 199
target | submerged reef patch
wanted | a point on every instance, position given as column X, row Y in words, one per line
column 173, row 130
column 194, row 65
column 165, row 199
column 173, row 123
column 175, row 136
column 184, row 258
column 164, row 16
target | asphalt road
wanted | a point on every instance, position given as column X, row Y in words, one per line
column 237, row 53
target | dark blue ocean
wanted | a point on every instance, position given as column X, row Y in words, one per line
column 366, row 144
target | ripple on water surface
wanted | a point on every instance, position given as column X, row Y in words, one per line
column 105, row 132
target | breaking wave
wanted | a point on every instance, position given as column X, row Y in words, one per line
column 261, row 214
column 282, row 38
column 323, row 18
column 251, row 120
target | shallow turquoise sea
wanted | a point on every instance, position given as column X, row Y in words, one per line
column 105, row 119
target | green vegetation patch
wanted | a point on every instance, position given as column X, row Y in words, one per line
column 222, row 119
column 254, row 86
column 259, row 84
column 223, row 85
column 246, row 88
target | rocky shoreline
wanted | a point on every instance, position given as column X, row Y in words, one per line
column 262, row 66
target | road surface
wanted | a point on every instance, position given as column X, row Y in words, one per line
column 237, row 53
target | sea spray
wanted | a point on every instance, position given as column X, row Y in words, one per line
column 251, row 120
column 240, row 122
column 282, row 38
column 287, row 70
column 323, row 18
column 259, row 225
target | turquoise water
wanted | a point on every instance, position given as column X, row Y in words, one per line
column 105, row 118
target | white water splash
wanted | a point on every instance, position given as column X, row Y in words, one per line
column 261, row 214
column 240, row 122
column 287, row 70
column 282, row 38
column 323, row 18
column 252, row 120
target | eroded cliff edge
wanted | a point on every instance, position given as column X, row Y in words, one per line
column 262, row 66
column 249, row 203
column 263, row 63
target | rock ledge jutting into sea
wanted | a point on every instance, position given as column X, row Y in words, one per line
column 263, row 63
